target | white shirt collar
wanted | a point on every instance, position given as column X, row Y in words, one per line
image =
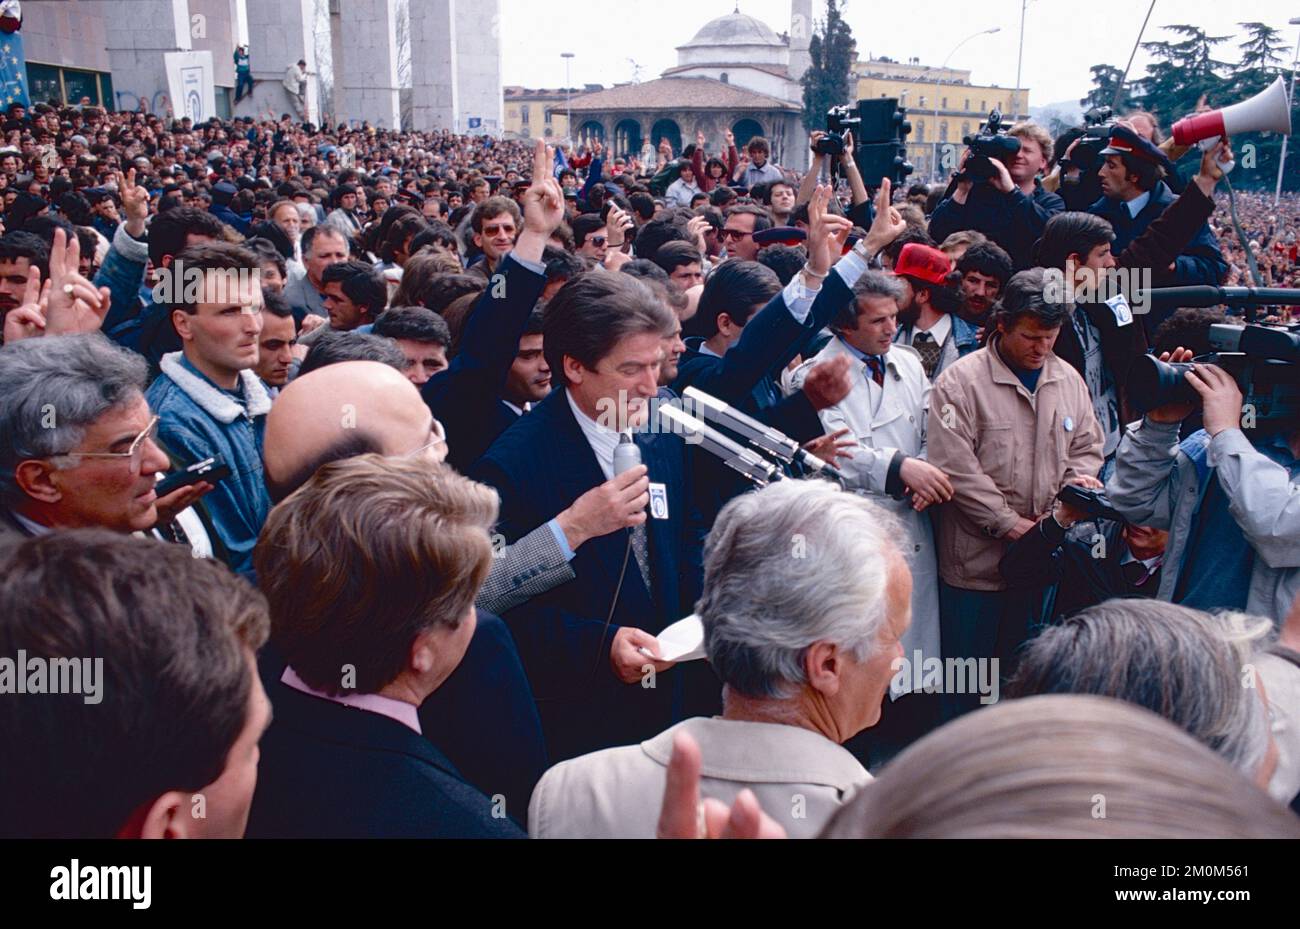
column 1137, row 204
column 601, row 438
column 35, row 528
column 939, row 331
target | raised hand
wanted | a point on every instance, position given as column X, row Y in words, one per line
column 27, row 321
column 696, row 227
column 888, row 224
column 74, row 305
column 135, row 202
column 683, row 815
column 617, row 224
column 543, row 204
column 827, row 233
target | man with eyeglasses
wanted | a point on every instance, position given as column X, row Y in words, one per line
column 738, row 231
column 80, row 449
column 590, row 238
column 209, row 397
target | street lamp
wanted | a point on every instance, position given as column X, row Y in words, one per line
column 1290, row 101
column 943, row 67
column 568, row 95
column 1020, row 59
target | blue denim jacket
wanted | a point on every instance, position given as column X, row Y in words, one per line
column 198, row 420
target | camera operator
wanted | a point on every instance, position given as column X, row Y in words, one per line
column 861, row 212
column 1134, row 194
column 1091, row 559
column 1011, row 208
column 1229, row 501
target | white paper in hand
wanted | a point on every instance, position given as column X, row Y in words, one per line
column 682, row 641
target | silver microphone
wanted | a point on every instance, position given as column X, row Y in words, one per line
column 749, row 463
column 758, row 434
column 627, row 455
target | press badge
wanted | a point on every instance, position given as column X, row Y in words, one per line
column 1119, row 306
column 658, row 501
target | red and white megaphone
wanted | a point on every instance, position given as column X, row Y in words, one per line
column 1267, row 111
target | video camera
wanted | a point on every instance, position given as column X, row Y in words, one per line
column 991, row 142
column 880, row 130
column 1097, row 124
column 839, row 120
column 1092, row 502
column 1261, row 359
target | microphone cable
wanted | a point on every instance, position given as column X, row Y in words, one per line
column 613, row 604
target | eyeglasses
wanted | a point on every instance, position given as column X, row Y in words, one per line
column 135, row 454
column 598, row 240
column 439, row 438
column 736, row 234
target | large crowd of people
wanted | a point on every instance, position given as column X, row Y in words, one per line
column 340, row 499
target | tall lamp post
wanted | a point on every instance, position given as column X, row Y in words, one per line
column 1290, row 101
column 568, row 95
column 944, row 67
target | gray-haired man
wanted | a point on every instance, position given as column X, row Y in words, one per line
column 79, row 449
column 806, row 599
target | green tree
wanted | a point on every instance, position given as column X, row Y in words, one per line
column 1261, row 63
column 826, row 82
column 1105, row 80
column 1181, row 73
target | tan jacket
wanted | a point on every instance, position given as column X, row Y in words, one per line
column 799, row 776
column 1007, row 452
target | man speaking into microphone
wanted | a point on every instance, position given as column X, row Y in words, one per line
column 603, row 337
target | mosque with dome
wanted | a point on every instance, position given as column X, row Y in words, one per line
column 736, row 73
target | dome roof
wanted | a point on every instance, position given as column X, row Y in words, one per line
column 735, row 29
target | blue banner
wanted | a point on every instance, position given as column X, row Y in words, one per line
column 13, row 70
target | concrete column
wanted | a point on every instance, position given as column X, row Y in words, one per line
column 367, row 82
column 137, row 34
column 280, row 32
column 478, row 66
column 215, row 31
column 433, row 66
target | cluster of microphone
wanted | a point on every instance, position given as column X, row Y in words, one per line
column 766, row 452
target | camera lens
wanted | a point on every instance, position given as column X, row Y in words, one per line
column 1153, row 383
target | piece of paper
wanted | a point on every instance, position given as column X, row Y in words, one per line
column 682, row 641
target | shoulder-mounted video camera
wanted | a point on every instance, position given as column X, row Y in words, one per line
column 1097, row 124
column 1261, row 359
column 991, row 142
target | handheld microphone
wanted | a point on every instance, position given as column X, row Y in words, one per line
column 758, row 434
column 626, row 454
column 748, row 463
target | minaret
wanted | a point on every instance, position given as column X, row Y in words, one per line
column 801, row 28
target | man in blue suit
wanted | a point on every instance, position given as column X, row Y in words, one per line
column 464, row 396
column 366, row 642
column 603, row 337
column 1135, row 194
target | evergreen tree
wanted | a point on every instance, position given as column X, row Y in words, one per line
column 1105, row 80
column 1261, row 62
column 826, row 83
column 1182, row 73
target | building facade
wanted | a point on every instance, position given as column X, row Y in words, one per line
column 736, row 74
column 943, row 107
column 531, row 114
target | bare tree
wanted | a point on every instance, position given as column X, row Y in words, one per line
column 320, row 34
column 402, row 32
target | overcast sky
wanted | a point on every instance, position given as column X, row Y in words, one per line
column 1063, row 38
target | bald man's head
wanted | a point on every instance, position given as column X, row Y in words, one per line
column 341, row 411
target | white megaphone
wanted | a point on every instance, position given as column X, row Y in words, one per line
column 1267, row 111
